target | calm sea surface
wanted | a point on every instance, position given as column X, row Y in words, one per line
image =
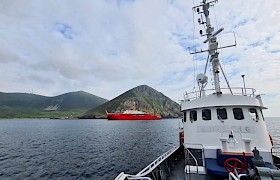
column 86, row 149
column 81, row 149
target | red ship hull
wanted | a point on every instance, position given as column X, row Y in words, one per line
column 113, row 116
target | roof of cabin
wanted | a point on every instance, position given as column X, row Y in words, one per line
column 222, row 100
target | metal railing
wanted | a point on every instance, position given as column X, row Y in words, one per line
column 141, row 175
column 199, row 146
column 193, row 145
column 123, row 176
column 232, row 176
column 188, row 161
column 234, row 91
column 275, row 150
column 139, row 178
column 157, row 162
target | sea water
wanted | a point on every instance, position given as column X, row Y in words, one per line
column 86, row 149
column 71, row 149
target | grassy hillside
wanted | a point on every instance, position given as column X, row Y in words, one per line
column 18, row 100
column 145, row 97
column 23, row 105
column 76, row 100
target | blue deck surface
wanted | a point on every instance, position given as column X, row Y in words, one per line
column 214, row 169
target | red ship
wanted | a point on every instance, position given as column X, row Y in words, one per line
column 133, row 114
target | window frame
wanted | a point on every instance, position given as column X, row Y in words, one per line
column 206, row 114
column 219, row 110
column 255, row 114
column 262, row 115
column 185, row 116
column 193, row 115
column 236, row 114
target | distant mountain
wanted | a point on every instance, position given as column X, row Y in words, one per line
column 145, row 97
column 75, row 100
column 24, row 105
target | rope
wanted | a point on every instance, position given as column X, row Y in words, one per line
column 194, row 56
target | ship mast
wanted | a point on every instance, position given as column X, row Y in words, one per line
column 212, row 44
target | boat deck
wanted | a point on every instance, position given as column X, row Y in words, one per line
column 178, row 171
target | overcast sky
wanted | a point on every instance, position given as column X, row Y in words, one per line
column 106, row 47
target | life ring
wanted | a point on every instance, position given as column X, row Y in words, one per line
column 271, row 140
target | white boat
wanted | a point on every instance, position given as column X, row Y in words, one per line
column 224, row 134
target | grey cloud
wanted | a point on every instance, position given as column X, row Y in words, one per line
column 107, row 47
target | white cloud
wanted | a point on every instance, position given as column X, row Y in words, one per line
column 108, row 47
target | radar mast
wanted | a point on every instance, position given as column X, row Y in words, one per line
column 212, row 44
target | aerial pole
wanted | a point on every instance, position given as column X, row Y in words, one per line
column 212, row 46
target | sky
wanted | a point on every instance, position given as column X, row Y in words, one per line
column 106, row 47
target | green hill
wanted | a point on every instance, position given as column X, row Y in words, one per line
column 24, row 105
column 75, row 100
column 144, row 96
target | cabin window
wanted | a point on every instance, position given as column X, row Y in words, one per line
column 206, row 114
column 254, row 114
column 185, row 116
column 262, row 115
column 238, row 113
column 221, row 113
column 193, row 115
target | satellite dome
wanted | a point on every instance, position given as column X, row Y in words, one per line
column 201, row 78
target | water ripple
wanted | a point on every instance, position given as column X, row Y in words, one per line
column 86, row 149
column 82, row 149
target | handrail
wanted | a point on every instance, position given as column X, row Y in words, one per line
column 193, row 144
column 189, row 152
column 202, row 151
column 241, row 91
column 232, row 176
column 123, row 176
column 139, row 178
column 148, row 169
column 156, row 162
column 275, row 150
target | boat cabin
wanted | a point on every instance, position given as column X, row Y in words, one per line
column 221, row 126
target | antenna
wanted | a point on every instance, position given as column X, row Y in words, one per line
column 205, row 6
column 214, row 35
column 244, row 83
column 213, row 55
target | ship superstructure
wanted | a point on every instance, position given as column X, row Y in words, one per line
column 224, row 132
column 222, row 126
column 133, row 114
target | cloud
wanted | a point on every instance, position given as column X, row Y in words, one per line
column 65, row 30
column 107, row 47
